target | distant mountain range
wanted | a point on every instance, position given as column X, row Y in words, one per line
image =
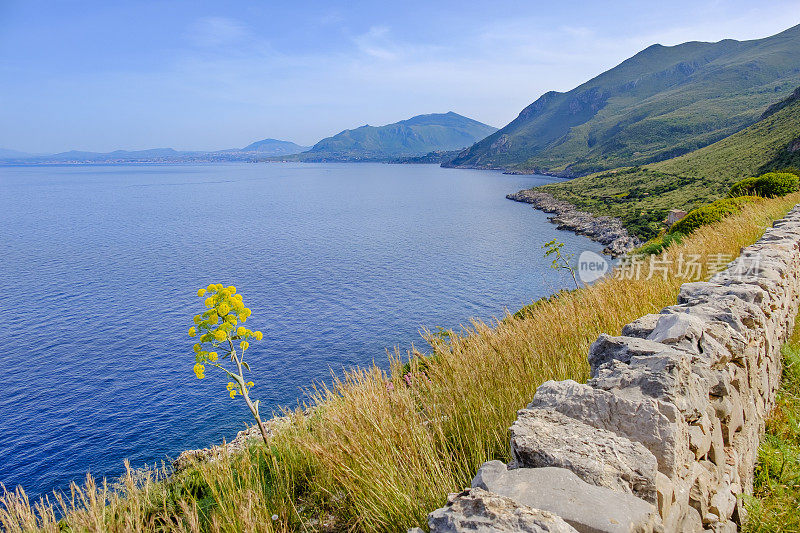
column 416, row 136
column 257, row 151
column 424, row 134
column 663, row 102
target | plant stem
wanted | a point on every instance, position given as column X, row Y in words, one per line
column 571, row 270
column 246, row 396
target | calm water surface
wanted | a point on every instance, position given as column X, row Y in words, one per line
column 100, row 265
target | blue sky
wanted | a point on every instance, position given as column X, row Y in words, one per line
column 103, row 75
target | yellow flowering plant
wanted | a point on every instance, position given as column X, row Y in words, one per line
column 218, row 330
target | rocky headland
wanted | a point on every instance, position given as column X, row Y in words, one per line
column 608, row 231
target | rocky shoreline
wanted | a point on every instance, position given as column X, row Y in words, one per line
column 608, row 231
column 240, row 443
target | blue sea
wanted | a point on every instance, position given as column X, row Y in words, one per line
column 339, row 262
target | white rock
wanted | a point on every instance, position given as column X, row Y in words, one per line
column 585, row 507
column 543, row 437
column 478, row 511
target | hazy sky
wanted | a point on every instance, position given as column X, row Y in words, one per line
column 102, row 75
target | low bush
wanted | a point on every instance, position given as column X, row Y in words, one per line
column 709, row 213
column 769, row 185
column 659, row 244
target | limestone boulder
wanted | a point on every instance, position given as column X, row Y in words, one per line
column 659, row 425
column 544, row 437
column 607, row 348
column 641, row 327
column 585, row 507
column 478, row 511
column 671, row 375
column 715, row 332
column 705, row 292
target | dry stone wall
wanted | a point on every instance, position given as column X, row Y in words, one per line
column 664, row 436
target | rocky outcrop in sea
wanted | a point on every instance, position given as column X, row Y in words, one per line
column 603, row 229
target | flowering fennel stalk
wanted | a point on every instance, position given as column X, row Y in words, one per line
column 219, row 331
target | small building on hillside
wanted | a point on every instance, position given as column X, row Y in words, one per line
column 673, row 216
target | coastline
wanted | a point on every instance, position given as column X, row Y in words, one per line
column 606, row 230
column 167, row 182
column 241, row 442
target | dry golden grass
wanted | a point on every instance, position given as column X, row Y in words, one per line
column 374, row 459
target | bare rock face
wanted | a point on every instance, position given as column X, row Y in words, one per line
column 647, row 368
column 641, row 327
column 585, row 507
column 703, row 292
column 543, row 437
column 478, row 511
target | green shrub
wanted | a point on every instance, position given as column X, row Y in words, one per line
column 709, row 213
column 788, row 170
column 659, row 244
column 769, row 185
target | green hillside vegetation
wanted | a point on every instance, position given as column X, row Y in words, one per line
column 709, row 214
column 769, row 185
column 745, row 153
column 642, row 196
column 663, row 102
column 438, row 157
column 414, row 137
column 383, row 449
column 789, row 157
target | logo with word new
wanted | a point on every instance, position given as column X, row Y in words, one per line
column 591, row 266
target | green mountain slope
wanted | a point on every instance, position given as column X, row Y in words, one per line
column 660, row 103
column 413, row 137
column 642, row 196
